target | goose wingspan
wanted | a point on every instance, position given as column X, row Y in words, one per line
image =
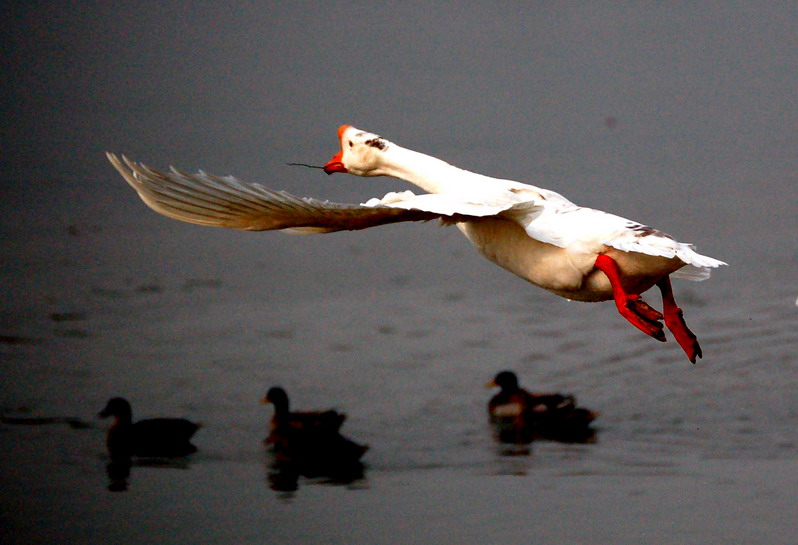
column 575, row 252
column 206, row 199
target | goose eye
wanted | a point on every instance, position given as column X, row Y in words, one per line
column 350, row 144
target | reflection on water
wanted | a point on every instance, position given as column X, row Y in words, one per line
column 510, row 432
column 72, row 422
column 284, row 474
column 118, row 469
column 515, row 444
column 510, row 449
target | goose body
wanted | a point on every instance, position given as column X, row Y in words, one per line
column 578, row 253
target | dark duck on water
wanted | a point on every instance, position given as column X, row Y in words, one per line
column 155, row 437
column 519, row 416
column 309, row 437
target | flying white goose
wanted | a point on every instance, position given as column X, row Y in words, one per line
column 578, row 253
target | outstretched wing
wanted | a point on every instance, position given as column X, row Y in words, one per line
column 205, row 199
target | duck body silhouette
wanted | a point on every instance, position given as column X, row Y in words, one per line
column 156, row 437
column 575, row 252
column 521, row 417
column 284, row 422
column 310, row 439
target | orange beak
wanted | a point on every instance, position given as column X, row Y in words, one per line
column 335, row 164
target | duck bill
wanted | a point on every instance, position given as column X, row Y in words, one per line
column 335, row 164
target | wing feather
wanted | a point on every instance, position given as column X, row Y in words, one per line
column 206, row 199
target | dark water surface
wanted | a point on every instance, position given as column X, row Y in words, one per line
column 399, row 326
column 685, row 453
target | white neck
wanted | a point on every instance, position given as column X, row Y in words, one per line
column 430, row 174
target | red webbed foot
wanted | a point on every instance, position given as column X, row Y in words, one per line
column 642, row 316
column 636, row 311
column 674, row 319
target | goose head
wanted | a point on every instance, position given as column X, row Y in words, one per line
column 362, row 153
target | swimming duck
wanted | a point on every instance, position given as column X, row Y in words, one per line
column 311, row 438
column 578, row 253
column 152, row 437
column 284, row 421
column 520, row 416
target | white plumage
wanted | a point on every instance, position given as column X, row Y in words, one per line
column 537, row 234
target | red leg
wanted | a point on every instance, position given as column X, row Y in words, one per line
column 630, row 305
column 674, row 319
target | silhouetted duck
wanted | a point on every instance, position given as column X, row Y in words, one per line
column 284, row 421
column 310, row 437
column 152, row 437
column 521, row 417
